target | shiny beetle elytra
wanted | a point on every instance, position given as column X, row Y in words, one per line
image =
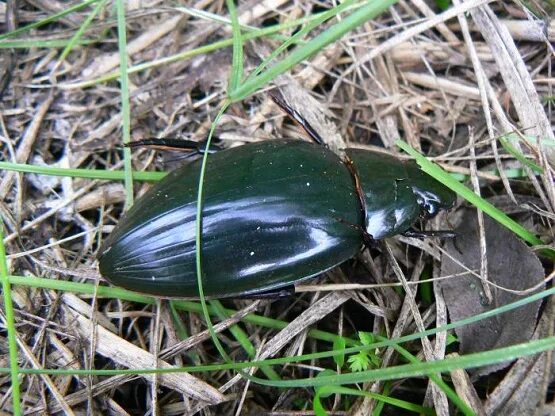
column 274, row 212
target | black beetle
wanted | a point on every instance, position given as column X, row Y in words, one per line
column 274, row 212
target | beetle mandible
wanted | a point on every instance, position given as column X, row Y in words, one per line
column 274, row 212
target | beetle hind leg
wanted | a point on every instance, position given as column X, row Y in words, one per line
column 280, row 293
column 298, row 118
column 192, row 147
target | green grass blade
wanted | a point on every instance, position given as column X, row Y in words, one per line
column 507, row 145
column 237, row 59
column 326, row 391
column 299, row 35
column 82, row 288
column 468, row 361
column 243, row 339
column 113, row 292
column 330, row 35
column 198, row 244
column 38, row 43
column 184, row 305
column 474, row 360
column 156, row 176
column 449, row 392
column 111, row 175
column 125, row 112
column 77, row 37
column 198, row 236
column 10, row 325
column 188, row 54
column 442, row 176
column 48, row 20
column 211, row 17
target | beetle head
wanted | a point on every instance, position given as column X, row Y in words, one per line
column 429, row 203
column 431, row 195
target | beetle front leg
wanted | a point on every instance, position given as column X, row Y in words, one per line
column 368, row 241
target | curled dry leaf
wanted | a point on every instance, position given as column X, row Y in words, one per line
column 511, row 265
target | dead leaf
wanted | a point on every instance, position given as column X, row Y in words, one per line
column 523, row 389
column 511, row 265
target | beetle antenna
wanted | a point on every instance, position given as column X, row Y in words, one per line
column 430, row 233
column 298, row 118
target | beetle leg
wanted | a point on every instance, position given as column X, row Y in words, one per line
column 298, row 118
column 368, row 240
column 358, row 189
column 194, row 148
column 430, row 233
column 282, row 292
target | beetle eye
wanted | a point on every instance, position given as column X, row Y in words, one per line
column 430, row 209
column 428, row 202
